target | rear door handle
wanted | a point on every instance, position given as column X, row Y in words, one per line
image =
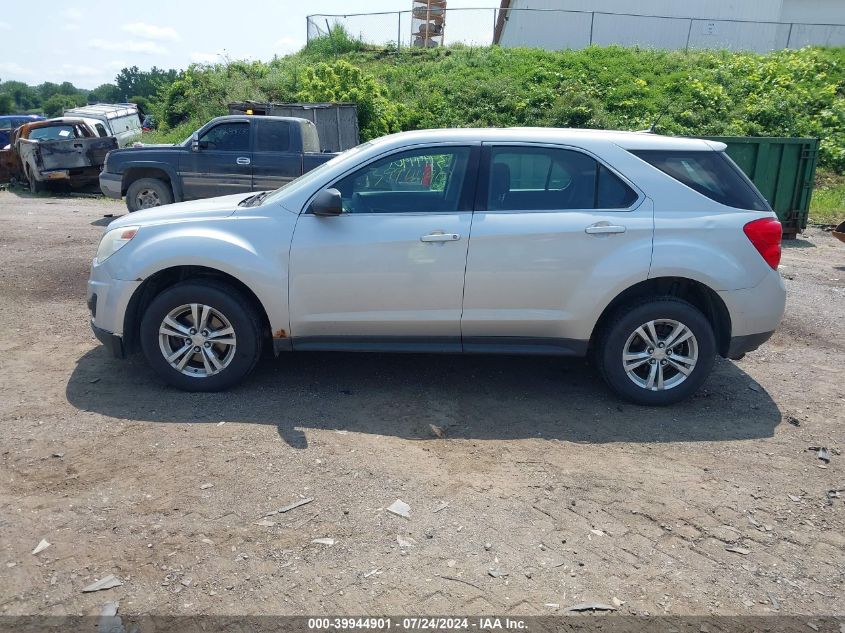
column 440, row 237
column 603, row 229
column 242, row 160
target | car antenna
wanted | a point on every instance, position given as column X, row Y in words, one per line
column 653, row 126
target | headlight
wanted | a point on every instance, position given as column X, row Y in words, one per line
column 113, row 241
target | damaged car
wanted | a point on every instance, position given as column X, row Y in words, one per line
column 61, row 150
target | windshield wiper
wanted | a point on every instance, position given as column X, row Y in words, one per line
column 257, row 199
column 246, row 201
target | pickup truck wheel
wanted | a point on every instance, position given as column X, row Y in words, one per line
column 201, row 336
column 34, row 185
column 145, row 193
column 656, row 352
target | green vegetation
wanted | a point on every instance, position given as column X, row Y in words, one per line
column 786, row 93
column 827, row 205
column 50, row 99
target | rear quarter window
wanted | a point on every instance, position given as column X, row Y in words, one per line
column 710, row 173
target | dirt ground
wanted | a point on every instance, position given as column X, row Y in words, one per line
column 557, row 493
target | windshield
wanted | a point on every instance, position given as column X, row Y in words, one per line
column 315, row 174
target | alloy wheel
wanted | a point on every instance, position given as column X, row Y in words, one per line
column 660, row 354
column 197, row 340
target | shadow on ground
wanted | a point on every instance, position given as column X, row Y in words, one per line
column 798, row 243
column 473, row 397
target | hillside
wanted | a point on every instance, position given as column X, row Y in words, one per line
column 786, row 93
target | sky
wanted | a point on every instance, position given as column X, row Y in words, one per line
column 88, row 42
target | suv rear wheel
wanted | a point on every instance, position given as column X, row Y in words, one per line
column 201, row 336
column 145, row 193
column 657, row 352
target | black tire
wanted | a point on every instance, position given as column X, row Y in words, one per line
column 155, row 190
column 614, row 337
column 34, row 185
column 229, row 302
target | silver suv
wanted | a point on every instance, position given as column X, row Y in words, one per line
column 652, row 254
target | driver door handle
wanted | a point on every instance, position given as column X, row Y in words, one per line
column 603, row 229
column 440, row 237
column 242, row 160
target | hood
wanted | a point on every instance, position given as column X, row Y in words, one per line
column 208, row 209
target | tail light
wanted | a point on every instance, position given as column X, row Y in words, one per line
column 765, row 234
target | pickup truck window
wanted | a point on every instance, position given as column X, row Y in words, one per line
column 416, row 181
column 274, row 136
column 545, row 179
column 227, row 137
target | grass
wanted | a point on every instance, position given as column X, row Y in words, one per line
column 828, row 203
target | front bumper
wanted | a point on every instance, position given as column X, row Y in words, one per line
column 108, row 300
column 113, row 342
column 111, row 185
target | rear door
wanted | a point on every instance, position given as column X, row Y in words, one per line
column 554, row 230
column 222, row 165
column 274, row 161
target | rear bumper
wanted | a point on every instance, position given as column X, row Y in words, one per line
column 113, row 342
column 755, row 313
column 110, row 185
column 739, row 346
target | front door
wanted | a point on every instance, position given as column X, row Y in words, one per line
column 222, row 164
column 388, row 273
column 557, row 231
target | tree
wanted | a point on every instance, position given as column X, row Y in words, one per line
column 47, row 90
column 67, row 88
column 105, row 93
column 24, row 98
column 341, row 81
column 5, row 104
column 58, row 103
column 142, row 83
column 142, row 102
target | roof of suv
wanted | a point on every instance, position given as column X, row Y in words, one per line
column 626, row 140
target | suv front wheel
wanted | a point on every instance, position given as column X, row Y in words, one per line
column 656, row 352
column 201, row 335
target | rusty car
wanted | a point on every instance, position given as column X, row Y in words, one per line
column 60, row 150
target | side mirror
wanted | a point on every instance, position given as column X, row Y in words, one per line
column 195, row 142
column 327, row 202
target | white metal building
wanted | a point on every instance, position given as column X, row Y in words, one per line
column 756, row 25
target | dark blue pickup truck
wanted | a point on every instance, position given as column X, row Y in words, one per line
column 229, row 154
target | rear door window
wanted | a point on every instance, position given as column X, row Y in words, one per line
column 710, row 173
column 545, row 179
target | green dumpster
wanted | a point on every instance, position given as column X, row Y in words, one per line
column 783, row 170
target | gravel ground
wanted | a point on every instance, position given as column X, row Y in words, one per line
column 543, row 489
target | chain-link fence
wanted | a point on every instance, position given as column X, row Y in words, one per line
column 560, row 29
